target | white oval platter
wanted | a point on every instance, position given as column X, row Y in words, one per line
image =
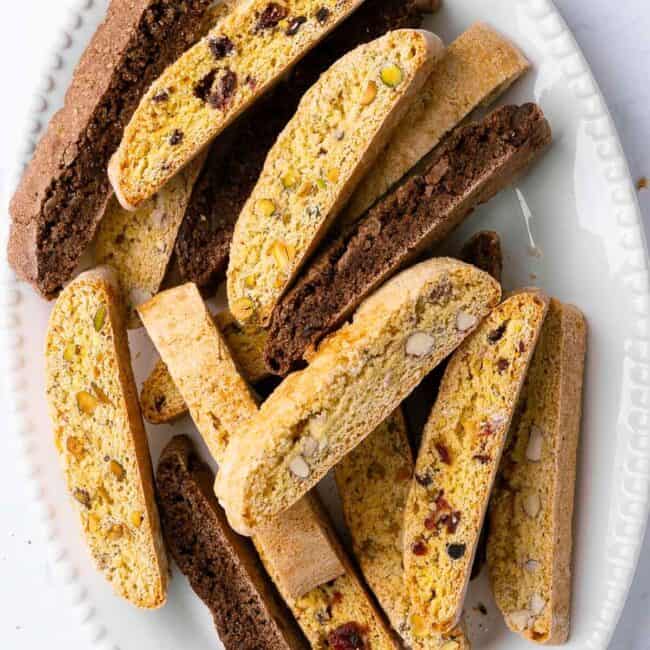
column 571, row 226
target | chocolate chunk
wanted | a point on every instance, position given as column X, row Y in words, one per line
column 273, row 13
column 176, row 137
column 294, row 25
column 456, row 551
column 322, row 15
column 220, row 46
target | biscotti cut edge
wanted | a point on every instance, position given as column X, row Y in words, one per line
column 150, row 152
column 533, row 500
column 356, row 379
column 464, row 437
column 100, row 437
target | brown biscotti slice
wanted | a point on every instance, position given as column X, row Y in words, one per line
column 471, row 166
column 200, row 363
column 373, row 481
column 100, row 437
column 459, row 456
column 211, row 84
column 337, row 131
column 476, row 68
column 530, row 541
column 64, row 191
column 483, row 249
column 138, row 245
column 356, row 379
column 222, row 567
column 233, row 168
column 161, row 401
column 338, row 614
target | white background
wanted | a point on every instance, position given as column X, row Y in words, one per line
column 616, row 39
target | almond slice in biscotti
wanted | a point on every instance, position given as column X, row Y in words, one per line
column 355, row 381
column 471, row 166
column 211, row 84
column 475, row 69
column 459, row 456
column 100, row 437
column 338, row 130
column 530, row 540
column 373, row 481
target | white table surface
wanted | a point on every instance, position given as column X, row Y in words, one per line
column 616, row 39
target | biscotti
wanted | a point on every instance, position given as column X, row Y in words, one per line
column 222, row 567
column 483, row 249
column 373, row 481
column 336, row 614
column 236, row 160
column 178, row 321
column 530, row 540
column 100, row 437
column 459, row 456
column 356, row 379
column 473, row 164
column 138, row 245
column 64, row 191
column 337, row 131
column 476, row 68
column 211, row 84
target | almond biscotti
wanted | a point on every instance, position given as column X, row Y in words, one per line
column 373, row 481
column 471, row 166
column 530, row 540
column 475, row 69
column 339, row 127
column 64, row 190
column 459, row 456
column 355, row 380
column 138, row 245
column 211, row 84
column 100, row 437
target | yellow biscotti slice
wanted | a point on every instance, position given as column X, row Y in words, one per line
column 373, row 481
column 355, row 380
column 336, row 614
column 475, row 69
column 459, row 456
column 159, row 398
column 339, row 128
column 100, row 437
column 139, row 244
column 211, row 84
column 530, row 540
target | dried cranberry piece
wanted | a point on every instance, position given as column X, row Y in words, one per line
column 176, row 137
column 220, row 46
column 496, row 334
column 217, row 92
column 348, row 636
column 419, row 548
column 423, row 479
column 322, row 15
column 294, row 25
column 273, row 13
column 502, row 365
column 160, row 96
column 484, row 459
column 443, row 452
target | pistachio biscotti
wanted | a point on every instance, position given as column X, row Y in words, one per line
column 530, row 540
column 373, row 481
column 338, row 130
column 356, row 379
column 100, row 437
column 475, row 69
column 211, row 84
column 459, row 456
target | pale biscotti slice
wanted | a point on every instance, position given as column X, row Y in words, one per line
column 100, row 437
column 530, row 541
column 475, row 69
column 339, row 614
column 339, row 128
column 459, row 456
column 373, row 481
column 200, row 363
column 161, row 401
column 211, row 84
column 139, row 244
column 355, row 380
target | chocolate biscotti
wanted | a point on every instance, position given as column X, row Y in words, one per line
column 460, row 453
column 222, row 567
column 483, row 249
column 473, row 164
column 198, row 96
column 530, row 541
column 236, row 160
column 100, row 437
column 64, row 190
column 355, row 381
column 338, row 130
